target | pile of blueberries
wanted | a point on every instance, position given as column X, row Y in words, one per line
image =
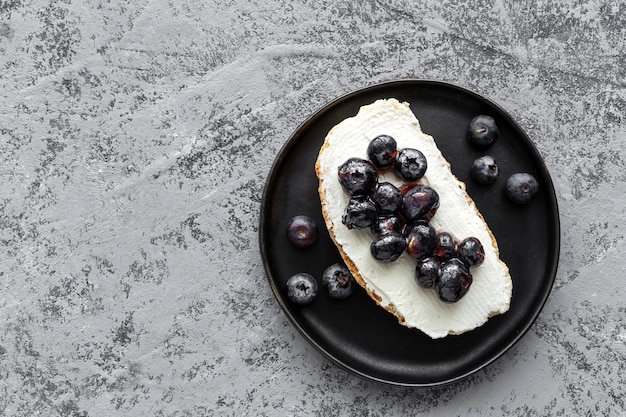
column 400, row 218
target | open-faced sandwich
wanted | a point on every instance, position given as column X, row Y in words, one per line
column 405, row 226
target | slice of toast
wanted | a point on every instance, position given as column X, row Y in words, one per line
column 393, row 285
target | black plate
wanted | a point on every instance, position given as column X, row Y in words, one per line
column 355, row 333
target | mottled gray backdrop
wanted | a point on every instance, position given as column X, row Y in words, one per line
column 135, row 140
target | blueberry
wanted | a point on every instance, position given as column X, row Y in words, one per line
column 445, row 246
column 302, row 288
column 387, row 224
column 387, row 197
column 337, row 281
column 360, row 213
column 471, row 251
column 389, row 247
column 454, row 281
column 521, row 188
column 483, row 131
column 420, row 239
column 427, row 272
column 358, row 176
column 302, row 231
column 420, row 202
column 410, row 164
column 485, row 170
column 382, row 151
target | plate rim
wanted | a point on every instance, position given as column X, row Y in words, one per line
column 550, row 274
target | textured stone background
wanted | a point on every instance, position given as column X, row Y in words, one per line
column 135, row 140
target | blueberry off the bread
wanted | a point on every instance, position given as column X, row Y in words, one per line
column 393, row 283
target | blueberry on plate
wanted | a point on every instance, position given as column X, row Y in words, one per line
column 357, row 176
column 382, row 151
column 483, row 131
column 302, row 231
column 454, row 281
column 521, row 188
column 410, row 164
column 338, row 281
column 389, row 247
column 302, row 288
column 485, row 170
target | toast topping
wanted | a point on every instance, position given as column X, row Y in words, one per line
column 393, row 283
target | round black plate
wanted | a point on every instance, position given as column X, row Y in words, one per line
column 355, row 333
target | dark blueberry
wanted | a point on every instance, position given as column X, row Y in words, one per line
column 410, row 164
column 382, row 151
column 521, row 188
column 358, row 176
column 360, row 213
column 387, row 224
column 471, row 251
column 389, row 247
column 388, row 198
column 485, row 170
column 483, row 131
column 454, row 281
column 427, row 272
column 302, row 231
column 420, row 202
column 420, row 239
column 302, row 288
column 338, row 281
column 445, row 246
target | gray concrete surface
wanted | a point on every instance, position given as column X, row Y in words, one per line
column 135, row 140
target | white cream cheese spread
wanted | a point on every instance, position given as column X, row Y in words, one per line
column 393, row 285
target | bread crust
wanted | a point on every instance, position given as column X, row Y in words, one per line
column 330, row 224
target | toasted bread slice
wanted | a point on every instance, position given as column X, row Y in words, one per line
column 393, row 285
